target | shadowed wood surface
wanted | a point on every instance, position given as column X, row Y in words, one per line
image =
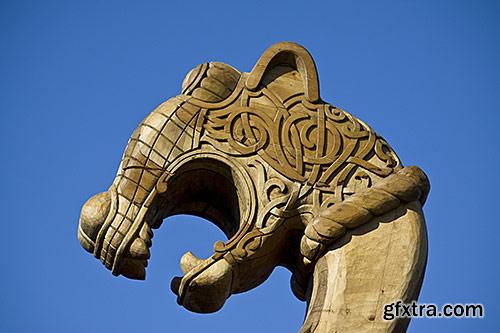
column 289, row 178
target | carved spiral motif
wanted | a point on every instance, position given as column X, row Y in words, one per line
column 304, row 142
column 296, row 167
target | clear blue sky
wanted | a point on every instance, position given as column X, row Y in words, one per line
column 76, row 77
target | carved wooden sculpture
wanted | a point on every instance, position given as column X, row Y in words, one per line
column 290, row 179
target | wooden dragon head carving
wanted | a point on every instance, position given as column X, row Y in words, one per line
column 289, row 178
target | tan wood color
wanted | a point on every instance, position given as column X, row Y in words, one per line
column 289, row 178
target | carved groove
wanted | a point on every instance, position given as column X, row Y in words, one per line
column 290, row 179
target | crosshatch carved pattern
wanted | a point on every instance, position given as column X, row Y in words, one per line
column 304, row 175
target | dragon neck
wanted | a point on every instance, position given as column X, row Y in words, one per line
column 376, row 264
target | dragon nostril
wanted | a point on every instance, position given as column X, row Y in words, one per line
column 94, row 213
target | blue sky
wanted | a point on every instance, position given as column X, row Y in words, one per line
column 76, row 77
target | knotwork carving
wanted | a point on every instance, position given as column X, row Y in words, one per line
column 289, row 178
column 304, row 142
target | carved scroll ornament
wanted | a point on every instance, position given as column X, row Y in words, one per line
column 289, row 178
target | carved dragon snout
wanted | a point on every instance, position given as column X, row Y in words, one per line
column 290, row 179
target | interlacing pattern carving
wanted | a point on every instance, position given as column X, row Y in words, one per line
column 302, row 141
column 283, row 173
